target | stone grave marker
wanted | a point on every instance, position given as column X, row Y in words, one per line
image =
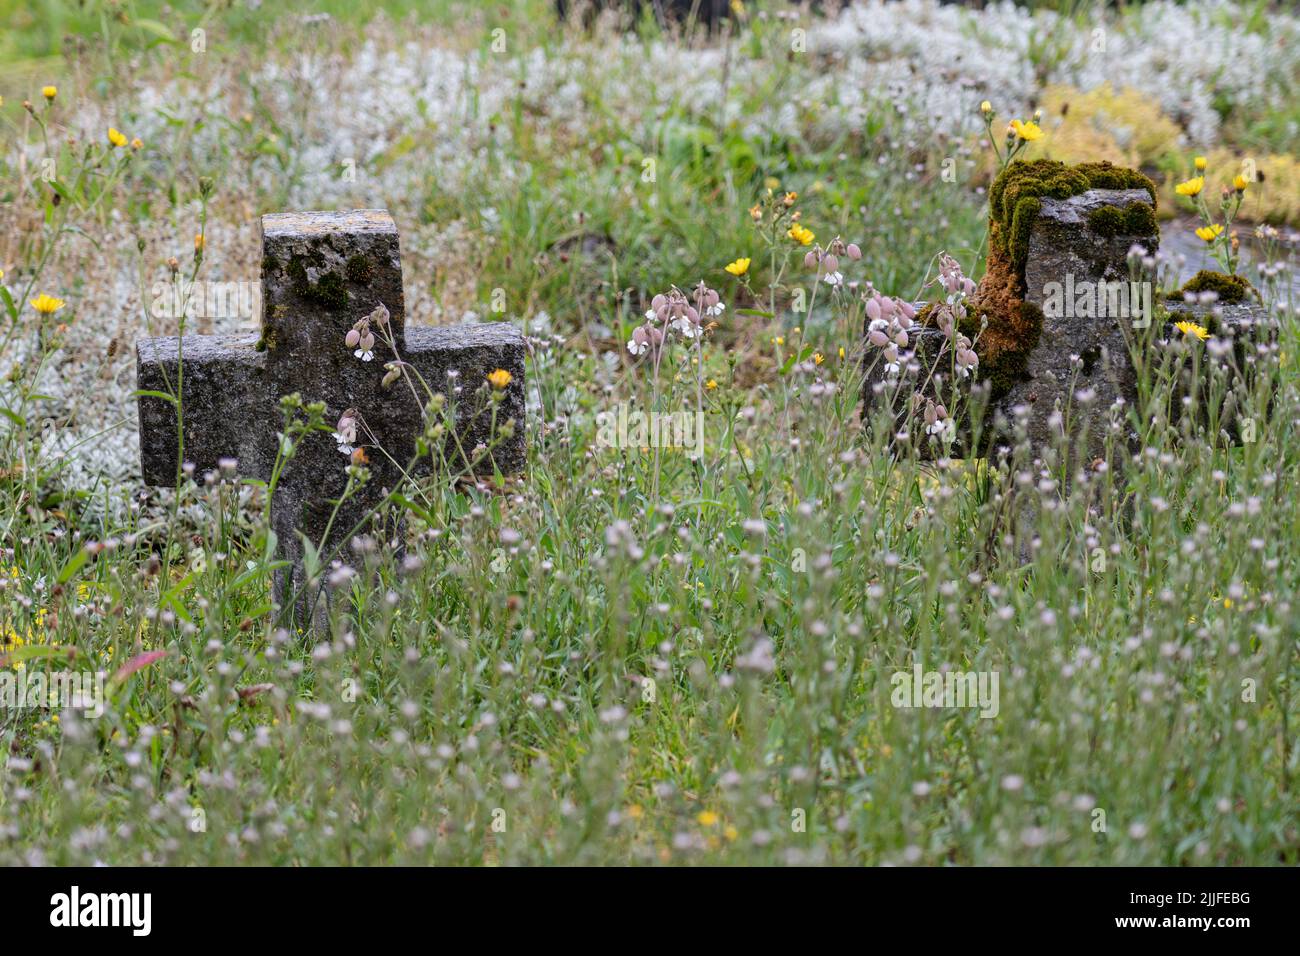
column 1076, row 350
column 321, row 273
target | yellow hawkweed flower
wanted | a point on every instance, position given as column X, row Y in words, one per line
column 1209, row 233
column 46, row 304
column 116, row 138
column 1240, row 182
column 986, row 108
column 818, row 358
column 1192, row 187
column 739, row 267
column 789, row 198
column 707, row 818
column 49, row 92
column 801, row 234
column 1026, row 131
column 137, row 143
column 1200, row 164
column 756, row 212
column 1191, row 328
column 199, row 243
column 778, row 340
column 711, row 385
column 500, row 378
column 841, row 352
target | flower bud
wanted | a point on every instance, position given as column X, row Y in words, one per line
column 854, row 251
column 352, row 338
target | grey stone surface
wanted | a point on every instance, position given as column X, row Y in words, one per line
column 472, row 352
column 1063, row 249
column 1075, row 352
column 230, row 415
column 321, row 272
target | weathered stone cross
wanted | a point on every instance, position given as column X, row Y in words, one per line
column 321, row 272
column 1074, row 255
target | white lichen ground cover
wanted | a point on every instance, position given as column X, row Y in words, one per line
column 769, row 594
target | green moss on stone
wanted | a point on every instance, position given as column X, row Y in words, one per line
column 1015, row 197
column 1230, row 288
column 328, row 290
column 1009, row 367
column 360, row 270
column 1139, row 219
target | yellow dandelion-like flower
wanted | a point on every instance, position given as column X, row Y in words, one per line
column 49, row 92
column 1209, row 233
column 818, row 358
column 778, row 340
column 986, row 108
column 1027, row 131
column 756, row 212
column 730, row 833
column 200, row 242
column 1191, row 328
column 707, row 818
column 841, row 352
column 711, row 385
column 137, row 143
column 1201, row 164
column 739, row 267
column 790, row 197
column 500, row 378
column 46, row 304
column 801, row 234
column 1192, row 187
column 115, row 138
column 1240, row 182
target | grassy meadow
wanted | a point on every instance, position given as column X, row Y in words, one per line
column 633, row 654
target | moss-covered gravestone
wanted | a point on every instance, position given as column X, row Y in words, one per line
column 1057, row 314
column 322, row 272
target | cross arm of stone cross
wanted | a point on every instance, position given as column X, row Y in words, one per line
column 231, row 407
column 321, row 273
column 1077, row 349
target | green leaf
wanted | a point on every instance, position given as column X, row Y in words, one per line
column 73, row 565
column 150, row 393
column 34, row 651
column 14, row 417
column 758, row 313
column 157, row 29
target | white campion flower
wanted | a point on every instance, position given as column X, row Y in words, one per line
column 345, row 432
